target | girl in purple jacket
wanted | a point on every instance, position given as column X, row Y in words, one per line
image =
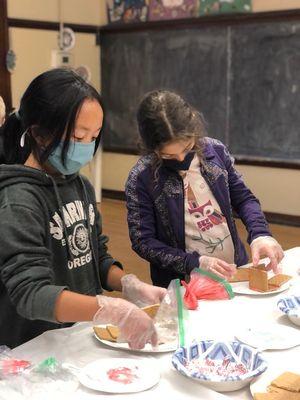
column 182, row 196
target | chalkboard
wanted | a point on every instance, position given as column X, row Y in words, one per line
column 265, row 91
column 135, row 63
column 244, row 78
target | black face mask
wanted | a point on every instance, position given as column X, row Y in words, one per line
column 176, row 165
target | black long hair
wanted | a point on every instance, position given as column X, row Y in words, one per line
column 48, row 111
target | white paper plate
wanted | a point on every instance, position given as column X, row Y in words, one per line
column 243, row 288
column 119, row 375
column 269, row 337
column 261, row 384
column 162, row 348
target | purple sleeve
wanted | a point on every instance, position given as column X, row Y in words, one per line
column 243, row 201
column 142, row 231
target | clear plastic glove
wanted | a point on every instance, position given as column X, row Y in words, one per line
column 136, row 327
column 217, row 266
column 140, row 293
column 267, row 246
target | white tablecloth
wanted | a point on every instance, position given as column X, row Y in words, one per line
column 214, row 320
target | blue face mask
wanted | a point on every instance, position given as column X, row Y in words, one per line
column 77, row 156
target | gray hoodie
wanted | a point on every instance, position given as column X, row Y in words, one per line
column 51, row 240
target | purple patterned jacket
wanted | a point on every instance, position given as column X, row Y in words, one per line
column 156, row 212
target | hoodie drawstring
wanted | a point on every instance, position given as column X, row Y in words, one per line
column 60, row 207
column 86, row 202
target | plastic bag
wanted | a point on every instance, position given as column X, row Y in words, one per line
column 10, row 365
column 49, row 378
column 205, row 285
column 13, row 383
column 167, row 317
column 20, row 379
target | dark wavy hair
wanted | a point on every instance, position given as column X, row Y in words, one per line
column 48, row 111
column 165, row 117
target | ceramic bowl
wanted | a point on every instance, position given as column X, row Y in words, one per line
column 291, row 307
column 233, row 351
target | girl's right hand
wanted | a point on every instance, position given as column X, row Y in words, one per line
column 136, row 327
column 217, row 266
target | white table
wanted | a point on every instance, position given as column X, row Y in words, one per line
column 213, row 320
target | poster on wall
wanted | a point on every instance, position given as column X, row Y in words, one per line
column 127, row 10
column 172, row 9
column 224, row 6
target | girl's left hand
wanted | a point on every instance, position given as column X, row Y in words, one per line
column 267, row 246
column 141, row 293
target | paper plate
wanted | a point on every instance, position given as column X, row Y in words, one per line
column 243, row 288
column 162, row 348
column 270, row 337
column 119, row 375
column 260, row 384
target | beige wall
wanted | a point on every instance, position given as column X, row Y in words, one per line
column 33, row 49
column 74, row 11
column 270, row 5
column 278, row 189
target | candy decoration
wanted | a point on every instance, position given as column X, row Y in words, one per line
column 216, row 368
column 13, row 366
column 123, row 375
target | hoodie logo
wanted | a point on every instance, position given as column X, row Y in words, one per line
column 79, row 240
column 78, row 237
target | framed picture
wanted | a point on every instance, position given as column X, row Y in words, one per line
column 127, row 10
column 171, row 9
column 224, row 6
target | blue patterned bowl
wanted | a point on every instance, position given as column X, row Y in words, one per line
column 233, row 351
column 291, row 307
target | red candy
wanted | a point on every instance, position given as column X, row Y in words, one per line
column 122, row 375
column 216, row 368
column 12, row 366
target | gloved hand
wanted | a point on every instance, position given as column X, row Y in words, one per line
column 140, row 293
column 217, row 266
column 267, row 246
column 136, row 327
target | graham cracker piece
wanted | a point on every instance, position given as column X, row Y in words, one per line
column 113, row 331
column 265, row 396
column 258, row 279
column 283, row 394
column 241, row 275
column 278, row 280
column 288, row 381
column 103, row 334
column 151, row 310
